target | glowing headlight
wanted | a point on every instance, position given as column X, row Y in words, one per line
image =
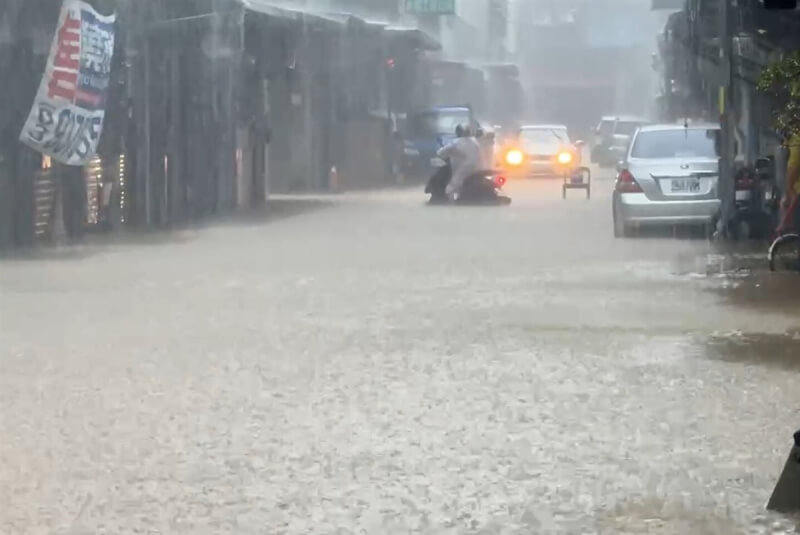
column 564, row 158
column 514, row 157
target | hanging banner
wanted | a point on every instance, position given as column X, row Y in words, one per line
column 66, row 120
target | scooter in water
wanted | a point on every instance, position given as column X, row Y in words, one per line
column 483, row 188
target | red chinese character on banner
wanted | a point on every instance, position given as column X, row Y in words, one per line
column 67, row 60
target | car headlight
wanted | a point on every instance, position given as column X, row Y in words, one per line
column 514, row 157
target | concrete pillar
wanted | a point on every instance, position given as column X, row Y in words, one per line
column 747, row 128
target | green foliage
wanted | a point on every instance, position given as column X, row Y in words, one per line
column 781, row 81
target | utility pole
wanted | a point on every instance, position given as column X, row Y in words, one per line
column 727, row 124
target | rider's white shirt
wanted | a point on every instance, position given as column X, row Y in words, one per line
column 465, row 157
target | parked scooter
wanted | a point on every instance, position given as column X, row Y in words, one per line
column 757, row 201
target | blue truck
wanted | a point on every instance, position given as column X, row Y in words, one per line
column 426, row 131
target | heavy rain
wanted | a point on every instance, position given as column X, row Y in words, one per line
column 399, row 266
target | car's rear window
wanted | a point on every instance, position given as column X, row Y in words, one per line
column 684, row 143
column 544, row 135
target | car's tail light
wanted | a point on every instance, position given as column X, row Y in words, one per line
column 626, row 183
column 499, row 181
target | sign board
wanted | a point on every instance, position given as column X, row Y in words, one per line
column 671, row 5
column 430, row 7
column 66, row 120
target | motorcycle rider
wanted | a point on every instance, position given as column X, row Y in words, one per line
column 465, row 157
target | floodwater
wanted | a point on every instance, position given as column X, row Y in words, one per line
column 366, row 364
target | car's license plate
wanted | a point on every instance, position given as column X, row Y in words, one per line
column 685, row 185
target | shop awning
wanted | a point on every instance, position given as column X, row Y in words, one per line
column 413, row 36
column 300, row 16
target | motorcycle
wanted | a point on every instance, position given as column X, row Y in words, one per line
column 483, row 188
column 757, row 201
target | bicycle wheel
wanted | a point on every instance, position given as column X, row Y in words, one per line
column 784, row 253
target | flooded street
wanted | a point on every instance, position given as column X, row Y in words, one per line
column 367, row 364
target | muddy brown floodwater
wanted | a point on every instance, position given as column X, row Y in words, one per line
column 367, row 364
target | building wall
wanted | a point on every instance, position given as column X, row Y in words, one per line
column 589, row 58
column 516, row 10
column 478, row 32
column 26, row 28
column 474, row 14
column 483, row 33
column 497, row 32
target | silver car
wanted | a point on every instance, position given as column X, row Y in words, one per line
column 668, row 177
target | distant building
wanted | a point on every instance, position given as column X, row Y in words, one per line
column 468, row 29
column 580, row 59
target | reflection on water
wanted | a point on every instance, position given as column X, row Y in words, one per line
column 781, row 350
column 662, row 517
column 776, row 292
column 742, row 278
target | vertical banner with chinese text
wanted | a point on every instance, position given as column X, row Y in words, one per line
column 66, row 120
